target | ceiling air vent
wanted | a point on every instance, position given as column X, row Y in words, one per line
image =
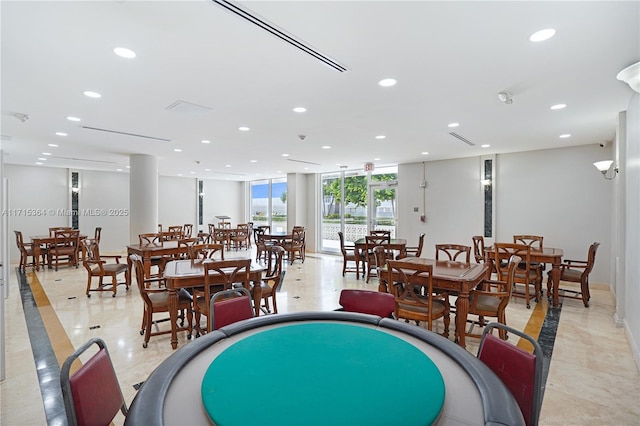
column 188, row 108
column 126, row 133
column 305, row 162
column 462, row 138
column 280, row 33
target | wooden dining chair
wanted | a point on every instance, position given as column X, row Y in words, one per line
column 270, row 283
column 577, row 271
column 478, row 248
column 65, row 247
column 156, row 301
column 26, row 250
column 413, row 251
column 175, row 233
column 187, row 230
column 414, row 295
column 229, row 306
column 153, row 239
column 200, row 252
column 535, row 242
column 348, row 251
column 218, row 276
column 295, row 247
column 98, row 267
column 491, row 300
column 368, row 255
column 239, row 238
column 523, row 276
column 453, row 252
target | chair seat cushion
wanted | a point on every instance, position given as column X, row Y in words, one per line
column 438, row 308
column 112, row 268
column 573, row 275
column 484, row 302
column 161, row 300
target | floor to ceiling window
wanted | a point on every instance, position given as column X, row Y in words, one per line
column 355, row 202
column 269, row 204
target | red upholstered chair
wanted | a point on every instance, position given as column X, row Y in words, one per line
column 92, row 395
column 368, row 302
column 519, row 370
column 230, row 306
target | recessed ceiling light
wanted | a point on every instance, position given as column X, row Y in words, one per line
column 227, row 165
column 243, row 128
column 453, row 124
column 128, row 167
column 118, row 170
column 73, row 118
column 61, row 134
column 46, row 153
column 193, row 173
column 486, row 145
column 179, row 174
column 558, row 106
column 253, row 161
column 205, row 141
column 91, row 94
column 207, row 170
column 38, row 163
column 306, row 168
column 53, row 145
column 425, row 152
column 387, row 82
column 285, row 155
column 376, row 159
column 326, row 147
column 543, row 35
column 566, row 135
column 124, row 52
column 177, row 150
column 381, row 137
column 299, row 109
column 42, row 159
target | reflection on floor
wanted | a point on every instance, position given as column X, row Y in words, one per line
column 592, row 378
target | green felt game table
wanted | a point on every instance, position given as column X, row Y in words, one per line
column 330, row 368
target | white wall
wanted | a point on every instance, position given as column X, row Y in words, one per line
column 454, row 202
column 631, row 269
column 106, row 195
column 177, row 198
column 223, row 198
column 555, row 193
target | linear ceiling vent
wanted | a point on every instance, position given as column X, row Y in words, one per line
column 126, row 133
column 280, row 33
column 462, row 138
column 83, row 159
column 305, row 162
column 188, row 108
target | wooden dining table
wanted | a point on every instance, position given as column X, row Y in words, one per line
column 458, row 277
column 545, row 255
column 398, row 244
column 45, row 240
column 186, row 274
column 147, row 251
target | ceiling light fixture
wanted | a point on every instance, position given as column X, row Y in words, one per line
column 61, row 134
column 558, row 106
column 299, row 109
column 566, row 135
column 453, row 124
column 631, row 76
column 243, row 128
column 380, row 137
column 486, row 145
column 91, row 94
column 604, row 167
column 205, row 141
column 53, row 145
column 505, row 97
column 73, row 118
column 124, row 52
column 387, row 82
column 542, row 35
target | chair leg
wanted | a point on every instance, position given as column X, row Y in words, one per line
column 88, row 286
column 114, row 280
column 584, row 288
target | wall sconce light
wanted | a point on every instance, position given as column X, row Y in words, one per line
column 631, row 76
column 485, row 182
column 75, row 190
column 604, row 167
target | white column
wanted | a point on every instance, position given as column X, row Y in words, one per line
column 143, row 195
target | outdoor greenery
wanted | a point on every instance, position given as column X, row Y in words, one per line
column 355, row 194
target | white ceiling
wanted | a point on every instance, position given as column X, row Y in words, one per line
column 451, row 59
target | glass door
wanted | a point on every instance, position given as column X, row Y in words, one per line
column 382, row 210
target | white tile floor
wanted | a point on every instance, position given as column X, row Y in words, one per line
column 593, row 379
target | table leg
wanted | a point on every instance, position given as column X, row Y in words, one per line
column 462, row 309
column 257, row 297
column 555, row 283
column 36, row 254
column 128, row 275
column 173, row 315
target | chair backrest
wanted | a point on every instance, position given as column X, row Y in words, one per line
column 185, row 244
column 138, row 272
column 376, row 240
column 503, row 252
column 275, row 253
column 591, row 258
column 98, row 233
column 91, row 251
column 92, row 395
column 224, row 225
column 203, row 251
column 68, row 238
column 533, row 241
column 232, row 271
column 453, row 252
column 478, row 248
column 381, row 254
column 380, row 233
column 418, row 251
column 187, row 230
column 175, row 232
column 151, row 239
column 519, row 370
column 414, row 280
column 52, row 230
column 19, row 240
column 229, row 306
column 367, row 302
